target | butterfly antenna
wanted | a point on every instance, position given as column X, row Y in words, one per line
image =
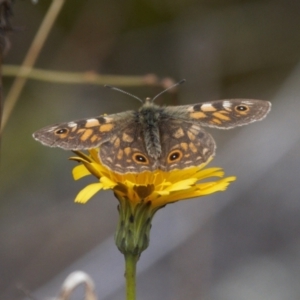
column 167, row 89
column 124, row 92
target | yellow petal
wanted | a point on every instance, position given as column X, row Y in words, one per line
column 220, row 185
column 182, row 185
column 93, row 168
column 211, row 172
column 163, row 193
column 107, row 183
column 81, row 157
column 80, row 171
column 158, row 187
column 94, row 154
column 89, row 191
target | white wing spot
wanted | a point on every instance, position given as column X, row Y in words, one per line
column 108, row 119
column 248, row 102
column 188, row 162
column 51, row 128
column 72, row 124
column 227, row 104
column 206, row 106
column 92, row 120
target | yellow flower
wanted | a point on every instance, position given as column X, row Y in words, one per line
column 140, row 195
column 158, row 187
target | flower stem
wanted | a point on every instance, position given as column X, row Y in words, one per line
column 130, row 275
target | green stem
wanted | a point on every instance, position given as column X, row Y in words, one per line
column 130, row 275
column 132, row 236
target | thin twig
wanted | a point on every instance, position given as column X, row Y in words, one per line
column 30, row 58
column 88, row 77
column 5, row 26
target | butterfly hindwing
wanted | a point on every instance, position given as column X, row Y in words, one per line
column 125, row 151
column 184, row 144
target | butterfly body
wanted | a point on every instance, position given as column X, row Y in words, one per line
column 154, row 137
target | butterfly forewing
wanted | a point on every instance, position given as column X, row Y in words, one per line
column 82, row 134
column 225, row 114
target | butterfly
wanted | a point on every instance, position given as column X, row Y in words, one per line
column 154, row 137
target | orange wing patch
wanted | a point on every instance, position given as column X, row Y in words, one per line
column 86, row 134
column 127, row 138
column 106, row 127
column 191, row 136
column 120, row 154
column 179, row 133
column 184, row 146
column 198, row 115
column 193, row 147
column 215, row 121
column 94, row 138
column 220, row 115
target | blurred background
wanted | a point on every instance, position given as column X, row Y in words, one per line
column 240, row 244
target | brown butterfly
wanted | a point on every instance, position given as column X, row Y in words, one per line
column 154, row 137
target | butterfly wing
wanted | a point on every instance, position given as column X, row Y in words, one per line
column 184, row 145
column 122, row 147
column 223, row 114
column 183, row 142
column 125, row 151
column 85, row 133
